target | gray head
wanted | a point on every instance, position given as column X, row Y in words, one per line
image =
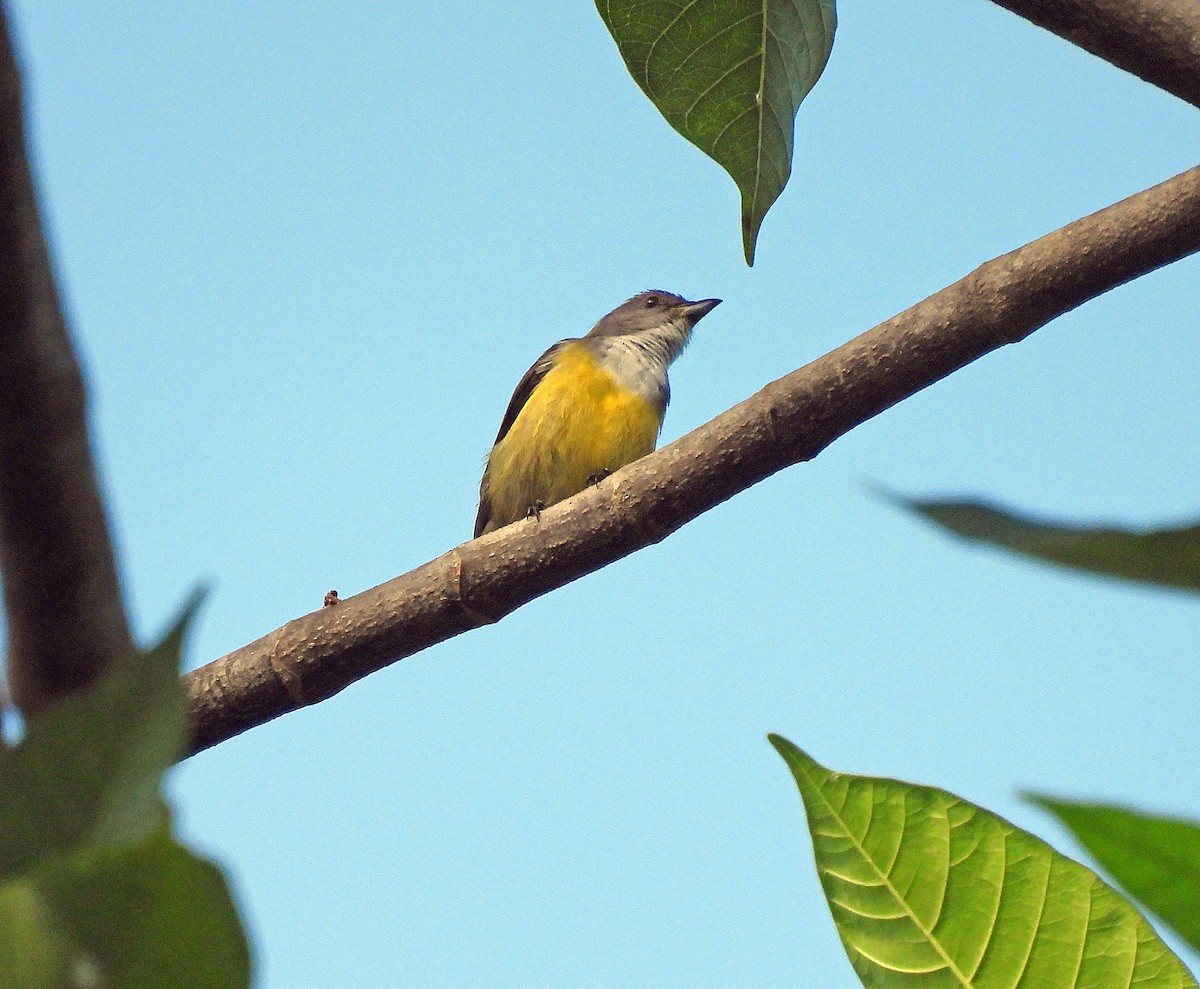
column 655, row 313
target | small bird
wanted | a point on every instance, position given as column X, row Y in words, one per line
column 586, row 408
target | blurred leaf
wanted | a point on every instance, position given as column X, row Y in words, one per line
column 89, row 771
column 929, row 890
column 1154, row 859
column 93, row 889
column 729, row 75
column 152, row 916
column 34, row 952
column 1169, row 557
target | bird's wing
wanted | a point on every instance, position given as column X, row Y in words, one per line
column 525, row 388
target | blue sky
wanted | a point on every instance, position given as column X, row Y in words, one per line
column 307, row 254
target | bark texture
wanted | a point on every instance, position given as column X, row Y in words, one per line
column 1156, row 40
column 66, row 616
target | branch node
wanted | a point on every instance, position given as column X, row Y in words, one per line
column 770, row 418
column 458, row 591
column 285, row 672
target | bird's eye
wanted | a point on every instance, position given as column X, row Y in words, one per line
column 652, row 302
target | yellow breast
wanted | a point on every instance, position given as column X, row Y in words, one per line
column 577, row 422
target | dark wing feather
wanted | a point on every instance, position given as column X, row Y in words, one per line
column 525, row 388
column 484, row 515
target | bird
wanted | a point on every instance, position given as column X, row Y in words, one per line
column 587, row 407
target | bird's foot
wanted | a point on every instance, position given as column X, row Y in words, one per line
column 535, row 510
column 598, row 476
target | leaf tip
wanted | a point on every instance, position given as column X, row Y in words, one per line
column 171, row 644
column 750, row 226
column 778, row 741
column 881, row 492
column 792, row 754
column 1041, row 800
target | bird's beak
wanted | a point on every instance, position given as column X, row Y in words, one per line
column 696, row 311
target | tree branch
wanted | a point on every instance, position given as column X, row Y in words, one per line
column 789, row 421
column 1156, row 40
column 66, row 618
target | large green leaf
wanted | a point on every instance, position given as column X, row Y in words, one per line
column 729, row 75
column 93, row 890
column 929, row 890
column 89, row 771
column 1154, row 859
column 150, row 916
column 35, row 953
column 1169, row 557
column 153, row 916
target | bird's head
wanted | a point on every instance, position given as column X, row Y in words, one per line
column 654, row 310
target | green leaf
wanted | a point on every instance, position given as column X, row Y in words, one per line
column 89, row 771
column 150, row 916
column 729, row 75
column 93, row 889
column 1167, row 557
column 35, row 953
column 929, row 890
column 1154, row 859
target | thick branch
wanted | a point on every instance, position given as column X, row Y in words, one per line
column 789, row 421
column 1156, row 40
column 66, row 619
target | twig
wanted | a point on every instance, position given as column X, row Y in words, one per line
column 1156, row 40
column 789, row 421
column 66, row 618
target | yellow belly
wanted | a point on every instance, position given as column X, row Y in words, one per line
column 576, row 423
